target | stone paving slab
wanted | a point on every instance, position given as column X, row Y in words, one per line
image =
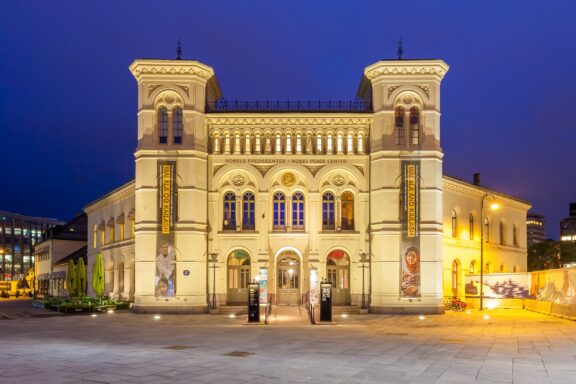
column 512, row 346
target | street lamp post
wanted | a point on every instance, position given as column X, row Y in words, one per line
column 493, row 206
column 363, row 261
column 213, row 260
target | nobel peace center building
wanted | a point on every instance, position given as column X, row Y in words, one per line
column 292, row 193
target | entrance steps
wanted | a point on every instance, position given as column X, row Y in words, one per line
column 289, row 315
column 345, row 309
column 238, row 310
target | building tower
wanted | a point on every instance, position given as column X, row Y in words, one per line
column 568, row 225
column 536, row 227
column 171, row 184
column 405, row 185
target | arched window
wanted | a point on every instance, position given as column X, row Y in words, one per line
column 472, row 267
column 278, row 147
column 121, row 226
column 279, row 210
column 329, row 145
column 327, row 211
column 486, row 230
column 455, row 277
column 298, row 211
column 111, row 235
column 248, row 221
column 502, row 234
column 102, row 235
column 347, row 205
column 229, row 210
column 454, row 223
column 247, row 143
column 399, row 131
column 414, row 126
column 471, row 228
column 514, row 235
column 163, row 125
column 288, row 146
column 488, row 267
column 319, row 144
column 350, row 144
column 360, row 147
column 298, row 143
column 95, row 236
column 502, row 268
column 177, row 125
column 339, row 143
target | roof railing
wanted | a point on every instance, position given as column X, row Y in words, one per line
column 356, row 106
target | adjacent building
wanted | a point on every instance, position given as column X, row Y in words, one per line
column 18, row 235
column 291, row 193
column 59, row 244
column 568, row 225
column 536, row 227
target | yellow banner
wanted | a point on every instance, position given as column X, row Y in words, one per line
column 411, row 200
column 166, row 197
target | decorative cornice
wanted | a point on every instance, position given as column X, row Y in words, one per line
column 170, row 67
column 299, row 121
column 459, row 186
column 437, row 68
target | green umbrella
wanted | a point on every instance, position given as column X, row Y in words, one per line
column 98, row 276
column 71, row 278
column 81, row 277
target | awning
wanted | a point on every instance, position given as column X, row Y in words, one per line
column 43, row 276
column 58, row 275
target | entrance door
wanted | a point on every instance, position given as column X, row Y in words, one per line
column 238, row 277
column 288, row 288
column 338, row 272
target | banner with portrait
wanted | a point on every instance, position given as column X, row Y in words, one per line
column 164, row 280
column 410, row 220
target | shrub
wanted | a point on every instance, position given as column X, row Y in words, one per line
column 4, row 294
column 17, row 295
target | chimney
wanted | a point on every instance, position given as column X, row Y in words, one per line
column 477, row 179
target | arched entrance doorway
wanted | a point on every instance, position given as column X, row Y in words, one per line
column 238, row 277
column 338, row 273
column 288, row 286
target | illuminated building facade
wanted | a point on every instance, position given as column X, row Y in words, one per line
column 568, row 225
column 290, row 193
column 18, row 235
column 536, row 227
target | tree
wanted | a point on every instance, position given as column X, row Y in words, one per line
column 550, row 254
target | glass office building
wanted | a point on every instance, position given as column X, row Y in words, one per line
column 18, row 235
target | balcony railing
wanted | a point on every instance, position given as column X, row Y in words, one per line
column 356, row 106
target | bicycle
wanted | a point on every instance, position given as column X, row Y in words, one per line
column 455, row 304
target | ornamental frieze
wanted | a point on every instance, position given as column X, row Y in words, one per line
column 286, row 121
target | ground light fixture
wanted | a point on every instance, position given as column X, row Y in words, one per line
column 110, row 311
column 157, row 317
column 94, row 315
column 232, row 316
column 468, row 312
column 344, row 316
column 486, row 317
column 421, row 317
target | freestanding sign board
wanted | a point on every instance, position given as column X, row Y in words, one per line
column 325, row 301
column 253, row 303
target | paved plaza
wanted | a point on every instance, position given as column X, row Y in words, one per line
column 512, row 346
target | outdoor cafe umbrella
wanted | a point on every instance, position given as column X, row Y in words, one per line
column 98, row 276
column 81, row 277
column 71, row 278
